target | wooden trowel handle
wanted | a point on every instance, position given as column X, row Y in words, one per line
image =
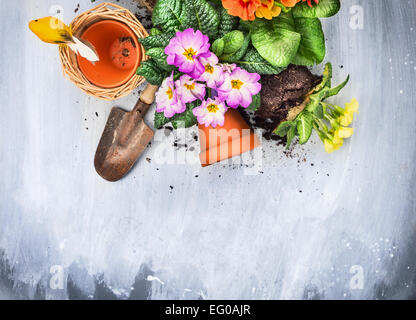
column 146, row 99
column 148, row 94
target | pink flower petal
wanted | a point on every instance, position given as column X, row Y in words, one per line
column 197, row 71
column 254, row 88
column 189, row 38
column 226, row 85
column 171, row 59
column 185, row 65
column 234, row 99
column 246, row 98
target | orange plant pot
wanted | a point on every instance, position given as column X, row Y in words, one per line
column 119, row 52
column 220, row 143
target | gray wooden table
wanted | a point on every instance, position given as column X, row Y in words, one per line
column 305, row 226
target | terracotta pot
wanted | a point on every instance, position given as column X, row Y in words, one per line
column 221, row 143
column 119, row 52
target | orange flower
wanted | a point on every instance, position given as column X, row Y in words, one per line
column 289, row 3
column 268, row 10
column 244, row 9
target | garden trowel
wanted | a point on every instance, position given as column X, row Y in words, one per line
column 125, row 138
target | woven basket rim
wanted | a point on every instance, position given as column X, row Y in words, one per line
column 71, row 70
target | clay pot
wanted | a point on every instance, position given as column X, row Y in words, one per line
column 221, row 143
column 119, row 52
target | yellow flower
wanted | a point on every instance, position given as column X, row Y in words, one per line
column 268, row 10
column 348, row 116
column 346, row 119
column 338, row 142
column 343, row 133
column 335, row 144
column 352, row 107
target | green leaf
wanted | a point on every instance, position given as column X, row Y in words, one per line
column 319, row 111
column 240, row 52
column 159, row 56
column 325, row 9
column 285, row 21
column 324, row 93
column 153, row 74
column 155, row 31
column 337, row 89
column 290, row 136
column 201, row 16
column 233, row 41
column 168, row 14
column 312, row 44
column 244, row 25
column 215, row 3
column 227, row 22
column 253, row 62
column 160, row 120
column 326, row 79
column 283, row 7
column 304, row 126
column 275, row 44
column 255, row 104
column 283, row 128
column 186, row 119
column 218, row 47
column 157, row 41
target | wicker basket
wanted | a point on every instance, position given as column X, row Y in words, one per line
column 104, row 11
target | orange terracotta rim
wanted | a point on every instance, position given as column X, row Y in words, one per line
column 119, row 52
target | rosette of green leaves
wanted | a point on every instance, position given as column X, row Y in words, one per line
column 295, row 36
column 303, row 125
